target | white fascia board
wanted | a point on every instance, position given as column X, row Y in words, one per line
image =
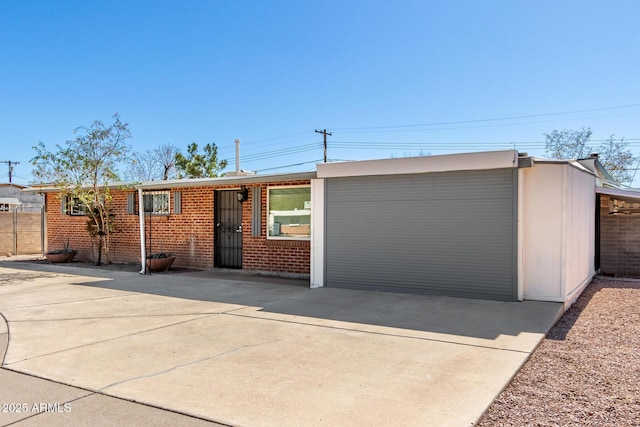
column 632, row 194
column 425, row 164
column 226, row 180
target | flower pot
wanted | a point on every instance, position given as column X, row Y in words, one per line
column 60, row 256
column 160, row 263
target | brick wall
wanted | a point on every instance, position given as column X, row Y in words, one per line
column 262, row 254
column 189, row 235
column 619, row 242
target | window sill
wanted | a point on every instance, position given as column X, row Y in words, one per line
column 289, row 243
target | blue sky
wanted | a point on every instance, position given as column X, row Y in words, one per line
column 386, row 78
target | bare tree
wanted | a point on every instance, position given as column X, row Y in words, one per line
column 152, row 165
column 617, row 159
column 614, row 154
column 568, row 144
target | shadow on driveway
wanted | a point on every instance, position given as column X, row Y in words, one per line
column 292, row 297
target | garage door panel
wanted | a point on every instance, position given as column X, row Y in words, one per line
column 423, row 234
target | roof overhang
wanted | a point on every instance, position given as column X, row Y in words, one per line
column 631, row 194
column 622, row 201
column 226, row 180
column 195, row 182
column 41, row 189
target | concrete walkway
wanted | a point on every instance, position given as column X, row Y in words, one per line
column 246, row 351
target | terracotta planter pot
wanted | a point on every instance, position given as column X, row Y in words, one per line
column 160, row 264
column 60, row 256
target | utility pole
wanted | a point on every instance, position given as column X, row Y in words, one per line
column 324, row 133
column 11, row 164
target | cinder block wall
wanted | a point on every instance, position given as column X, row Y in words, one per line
column 619, row 242
column 20, row 232
column 189, row 235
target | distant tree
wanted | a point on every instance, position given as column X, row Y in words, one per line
column 166, row 155
column 614, row 154
column 568, row 144
column 152, row 165
column 196, row 165
column 83, row 169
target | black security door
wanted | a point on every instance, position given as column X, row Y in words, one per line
column 228, row 234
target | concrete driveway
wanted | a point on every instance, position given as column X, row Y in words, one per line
column 247, row 351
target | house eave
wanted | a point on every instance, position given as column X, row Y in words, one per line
column 225, row 180
column 194, row 182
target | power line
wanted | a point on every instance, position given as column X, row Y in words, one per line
column 280, row 153
column 494, row 119
column 230, row 154
column 288, row 166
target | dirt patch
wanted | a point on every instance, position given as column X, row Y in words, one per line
column 586, row 371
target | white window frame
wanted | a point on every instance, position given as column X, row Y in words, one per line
column 5, row 207
column 268, row 213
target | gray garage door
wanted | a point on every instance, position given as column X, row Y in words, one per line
column 449, row 233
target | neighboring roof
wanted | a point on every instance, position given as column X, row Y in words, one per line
column 9, row 201
column 195, row 182
column 604, row 177
column 12, row 185
column 631, row 193
column 622, row 201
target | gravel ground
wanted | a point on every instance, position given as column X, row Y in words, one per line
column 586, row 372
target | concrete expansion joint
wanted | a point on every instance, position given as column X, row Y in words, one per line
column 131, row 316
column 111, row 339
column 184, row 365
column 91, row 393
column 66, row 302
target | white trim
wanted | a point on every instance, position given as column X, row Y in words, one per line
column 194, row 182
column 317, row 233
column 143, row 242
column 226, row 180
column 411, row 165
column 521, row 234
column 619, row 193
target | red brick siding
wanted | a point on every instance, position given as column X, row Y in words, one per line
column 189, row 235
column 619, row 242
column 262, row 254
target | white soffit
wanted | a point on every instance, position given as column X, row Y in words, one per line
column 425, row 164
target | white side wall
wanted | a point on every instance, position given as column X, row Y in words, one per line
column 542, row 232
column 557, row 240
column 317, row 233
column 580, row 237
